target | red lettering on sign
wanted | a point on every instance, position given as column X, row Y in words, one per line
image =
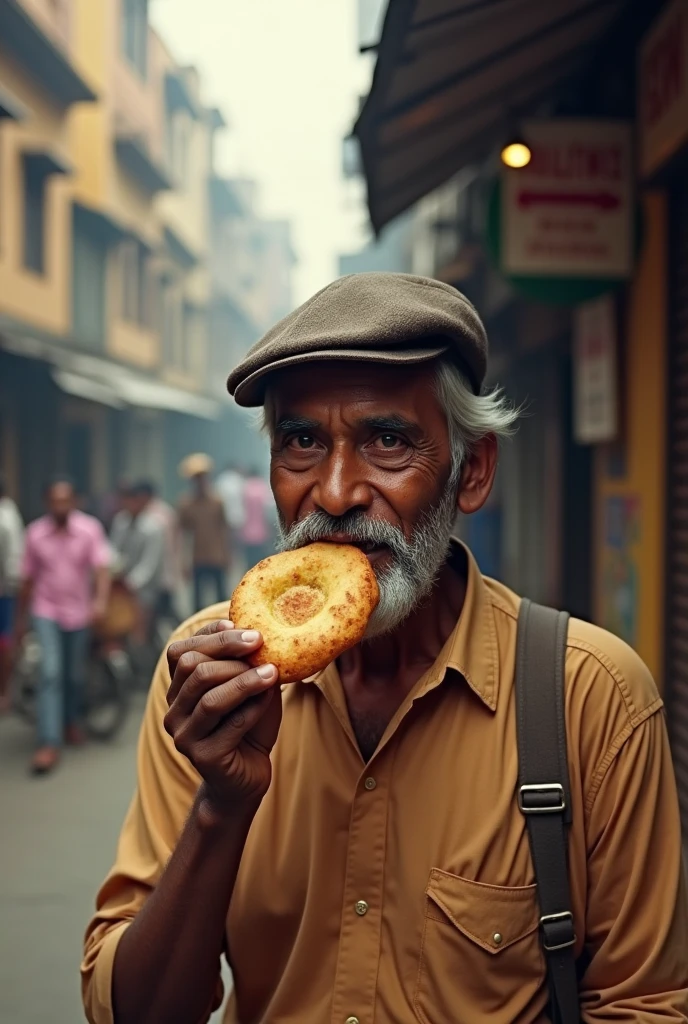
column 577, row 161
column 664, row 72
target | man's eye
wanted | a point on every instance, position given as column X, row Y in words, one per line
column 389, row 441
column 301, row 441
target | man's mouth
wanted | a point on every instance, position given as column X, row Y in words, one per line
column 368, row 547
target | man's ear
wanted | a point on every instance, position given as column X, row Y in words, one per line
column 477, row 475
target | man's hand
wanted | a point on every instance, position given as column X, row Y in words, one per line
column 99, row 611
column 223, row 715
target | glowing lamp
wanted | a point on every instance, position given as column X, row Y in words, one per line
column 516, row 154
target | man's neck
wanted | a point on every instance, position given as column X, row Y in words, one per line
column 378, row 674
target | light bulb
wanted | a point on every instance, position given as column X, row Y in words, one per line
column 516, row 154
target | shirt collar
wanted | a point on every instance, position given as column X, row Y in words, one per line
column 471, row 649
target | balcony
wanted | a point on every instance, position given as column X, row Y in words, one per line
column 42, row 58
column 133, row 155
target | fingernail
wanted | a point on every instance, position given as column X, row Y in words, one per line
column 225, row 624
column 266, row 671
column 250, row 636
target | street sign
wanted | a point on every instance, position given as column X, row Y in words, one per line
column 595, row 390
column 570, row 212
column 663, row 87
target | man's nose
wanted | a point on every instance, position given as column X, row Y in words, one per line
column 341, row 485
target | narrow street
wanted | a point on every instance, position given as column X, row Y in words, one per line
column 57, row 842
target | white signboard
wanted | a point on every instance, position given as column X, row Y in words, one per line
column 663, row 87
column 595, row 403
column 569, row 213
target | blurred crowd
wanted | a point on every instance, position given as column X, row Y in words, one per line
column 127, row 563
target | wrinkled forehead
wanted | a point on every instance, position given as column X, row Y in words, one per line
column 331, row 383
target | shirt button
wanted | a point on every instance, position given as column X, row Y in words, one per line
column 370, row 783
column 352, row 1020
column 497, row 938
column 361, row 908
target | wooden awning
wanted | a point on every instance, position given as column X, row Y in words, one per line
column 452, row 77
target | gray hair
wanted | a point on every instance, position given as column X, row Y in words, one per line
column 470, row 417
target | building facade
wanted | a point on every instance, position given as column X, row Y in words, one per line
column 106, row 251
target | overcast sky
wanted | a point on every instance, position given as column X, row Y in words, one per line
column 286, row 74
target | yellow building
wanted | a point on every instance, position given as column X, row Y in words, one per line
column 104, row 241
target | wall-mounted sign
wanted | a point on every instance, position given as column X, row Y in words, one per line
column 595, row 392
column 663, row 87
column 570, row 212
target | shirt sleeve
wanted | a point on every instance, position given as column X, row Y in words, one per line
column 29, row 562
column 15, row 548
column 166, row 788
column 150, row 564
column 637, row 917
column 184, row 516
column 101, row 554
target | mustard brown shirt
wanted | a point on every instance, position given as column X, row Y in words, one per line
column 402, row 890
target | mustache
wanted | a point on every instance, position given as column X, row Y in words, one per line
column 321, row 526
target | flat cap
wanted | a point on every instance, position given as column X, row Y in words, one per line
column 376, row 317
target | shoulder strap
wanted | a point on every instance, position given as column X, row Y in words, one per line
column 544, row 794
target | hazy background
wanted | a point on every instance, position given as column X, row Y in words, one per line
column 287, row 76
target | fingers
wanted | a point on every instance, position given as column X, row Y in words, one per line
column 235, row 705
column 213, row 627
column 198, row 674
column 218, row 645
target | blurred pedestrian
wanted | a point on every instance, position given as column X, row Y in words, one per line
column 65, row 585
column 259, row 505
column 139, row 541
column 230, row 488
column 11, row 550
column 173, row 560
column 112, row 503
column 202, row 516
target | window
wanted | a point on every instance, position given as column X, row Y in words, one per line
column 178, row 130
column 134, row 283
column 172, row 326
column 135, row 33
column 34, row 217
column 89, row 281
column 195, row 340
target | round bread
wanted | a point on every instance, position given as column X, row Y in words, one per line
column 309, row 605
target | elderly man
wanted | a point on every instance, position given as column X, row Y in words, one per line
column 353, row 844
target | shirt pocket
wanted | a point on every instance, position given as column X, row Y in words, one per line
column 480, row 957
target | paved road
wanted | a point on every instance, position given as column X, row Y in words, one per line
column 57, row 837
column 57, row 841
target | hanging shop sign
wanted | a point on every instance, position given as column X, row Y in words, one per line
column 663, row 87
column 595, row 374
column 569, row 213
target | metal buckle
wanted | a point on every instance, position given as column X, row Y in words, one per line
column 547, row 789
column 569, row 936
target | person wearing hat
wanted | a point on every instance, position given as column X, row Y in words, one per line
column 202, row 518
column 353, row 844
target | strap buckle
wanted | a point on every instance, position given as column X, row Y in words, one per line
column 542, row 798
column 557, row 931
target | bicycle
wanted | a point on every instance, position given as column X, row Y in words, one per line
column 106, row 690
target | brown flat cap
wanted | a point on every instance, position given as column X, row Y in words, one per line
column 378, row 317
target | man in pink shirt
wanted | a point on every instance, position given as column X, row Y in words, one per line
column 65, row 584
